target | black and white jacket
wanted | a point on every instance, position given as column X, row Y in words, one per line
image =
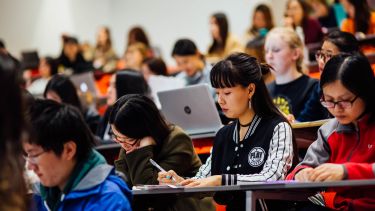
column 265, row 153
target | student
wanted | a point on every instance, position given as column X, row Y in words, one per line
column 195, row 70
column 262, row 22
column 134, row 56
column 223, row 42
column 256, row 146
column 336, row 42
column 121, row 83
column 291, row 88
column 343, row 150
column 73, row 176
column 104, row 55
column 324, row 13
column 71, row 58
column 298, row 11
column 139, row 128
column 62, row 90
column 13, row 192
column 360, row 17
column 47, row 69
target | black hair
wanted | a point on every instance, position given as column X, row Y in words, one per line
column 2, row 44
column 136, row 116
column 70, row 40
column 242, row 69
column 362, row 15
column 54, row 124
column 13, row 193
column 345, row 42
column 156, row 65
column 222, row 22
column 130, row 82
column 65, row 89
column 355, row 73
column 53, row 65
column 184, row 47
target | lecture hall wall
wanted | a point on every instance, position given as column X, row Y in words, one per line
column 38, row 24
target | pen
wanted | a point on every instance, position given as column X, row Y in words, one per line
column 159, row 167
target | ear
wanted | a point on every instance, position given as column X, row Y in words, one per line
column 251, row 90
column 69, row 151
column 297, row 52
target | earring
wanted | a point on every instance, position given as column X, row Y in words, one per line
column 250, row 103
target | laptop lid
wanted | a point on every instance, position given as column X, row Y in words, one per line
column 191, row 108
column 85, row 83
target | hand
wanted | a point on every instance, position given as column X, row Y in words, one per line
column 304, row 175
column 204, row 182
column 290, row 118
column 129, row 148
column 166, row 177
column 327, row 172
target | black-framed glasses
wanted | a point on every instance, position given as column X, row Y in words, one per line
column 123, row 140
column 342, row 103
column 323, row 55
column 33, row 159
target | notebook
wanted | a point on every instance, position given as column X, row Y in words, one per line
column 192, row 108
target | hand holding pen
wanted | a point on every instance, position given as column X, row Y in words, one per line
column 165, row 177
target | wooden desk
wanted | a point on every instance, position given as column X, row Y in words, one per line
column 280, row 190
column 306, row 132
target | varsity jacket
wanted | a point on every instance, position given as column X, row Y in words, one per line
column 354, row 148
column 265, row 154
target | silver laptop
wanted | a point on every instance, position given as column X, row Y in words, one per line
column 85, row 82
column 86, row 88
column 191, row 108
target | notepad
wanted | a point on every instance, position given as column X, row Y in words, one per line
column 155, row 187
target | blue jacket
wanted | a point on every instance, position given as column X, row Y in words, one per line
column 100, row 189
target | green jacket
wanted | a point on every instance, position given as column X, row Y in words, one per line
column 177, row 153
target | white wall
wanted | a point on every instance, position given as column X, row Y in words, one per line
column 38, row 24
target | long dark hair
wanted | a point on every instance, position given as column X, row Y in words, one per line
column 242, row 69
column 267, row 16
column 362, row 15
column 355, row 73
column 222, row 22
column 344, row 41
column 12, row 188
column 136, row 116
column 65, row 89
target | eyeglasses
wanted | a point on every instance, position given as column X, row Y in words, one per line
column 33, row 159
column 123, row 140
column 345, row 104
column 325, row 56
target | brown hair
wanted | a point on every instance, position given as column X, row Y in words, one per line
column 267, row 16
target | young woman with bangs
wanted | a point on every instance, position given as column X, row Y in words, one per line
column 257, row 146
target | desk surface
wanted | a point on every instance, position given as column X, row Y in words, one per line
column 278, row 185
